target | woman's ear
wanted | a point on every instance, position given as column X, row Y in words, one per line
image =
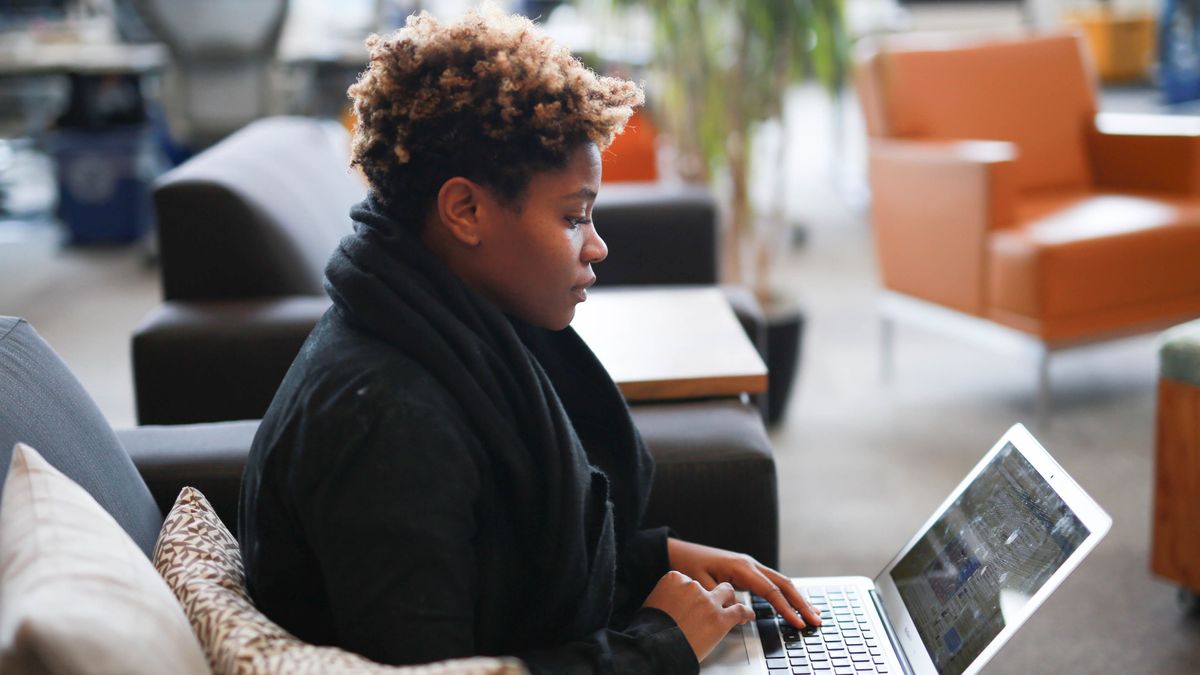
column 459, row 209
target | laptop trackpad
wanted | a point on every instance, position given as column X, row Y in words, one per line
column 730, row 655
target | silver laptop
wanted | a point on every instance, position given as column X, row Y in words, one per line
column 1010, row 533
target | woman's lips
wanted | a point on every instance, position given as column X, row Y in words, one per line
column 580, row 291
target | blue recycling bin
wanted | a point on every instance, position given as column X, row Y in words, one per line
column 1179, row 51
column 104, row 178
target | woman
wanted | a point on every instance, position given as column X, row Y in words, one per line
column 446, row 469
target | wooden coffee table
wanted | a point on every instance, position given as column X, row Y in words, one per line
column 670, row 343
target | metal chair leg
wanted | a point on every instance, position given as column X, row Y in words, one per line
column 887, row 345
column 1042, row 413
column 1188, row 601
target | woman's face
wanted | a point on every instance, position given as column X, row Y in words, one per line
column 536, row 259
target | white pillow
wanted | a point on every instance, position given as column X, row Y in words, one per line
column 76, row 594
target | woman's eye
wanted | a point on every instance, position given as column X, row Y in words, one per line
column 576, row 221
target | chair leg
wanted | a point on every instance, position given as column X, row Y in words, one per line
column 887, row 346
column 1042, row 413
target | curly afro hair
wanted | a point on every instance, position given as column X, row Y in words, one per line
column 490, row 98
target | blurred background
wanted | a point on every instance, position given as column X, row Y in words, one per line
column 769, row 105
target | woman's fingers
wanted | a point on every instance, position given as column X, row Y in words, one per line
column 796, row 608
column 704, row 616
column 710, row 566
column 724, row 593
column 793, row 596
column 772, row 594
column 753, row 576
column 737, row 611
column 783, row 596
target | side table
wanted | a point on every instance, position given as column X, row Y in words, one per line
column 1175, row 551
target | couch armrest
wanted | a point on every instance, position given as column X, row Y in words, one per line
column 700, row 449
column 208, row 457
column 1146, row 152
column 216, row 361
column 933, row 204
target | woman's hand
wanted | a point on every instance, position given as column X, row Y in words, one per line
column 704, row 615
column 712, row 566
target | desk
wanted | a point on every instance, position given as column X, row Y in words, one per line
column 35, row 79
column 670, row 343
column 32, row 58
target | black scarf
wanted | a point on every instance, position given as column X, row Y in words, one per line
column 384, row 280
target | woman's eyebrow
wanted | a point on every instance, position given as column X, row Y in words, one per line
column 581, row 193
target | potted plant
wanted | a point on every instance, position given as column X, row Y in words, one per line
column 720, row 70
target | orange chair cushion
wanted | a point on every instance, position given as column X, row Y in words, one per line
column 1036, row 93
column 1088, row 263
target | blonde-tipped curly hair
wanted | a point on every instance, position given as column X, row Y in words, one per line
column 490, row 98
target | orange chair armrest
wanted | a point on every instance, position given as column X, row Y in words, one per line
column 1159, row 153
column 933, row 206
column 977, row 175
column 940, row 151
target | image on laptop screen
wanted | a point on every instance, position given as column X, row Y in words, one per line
column 984, row 558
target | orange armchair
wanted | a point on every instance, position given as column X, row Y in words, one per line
column 1000, row 195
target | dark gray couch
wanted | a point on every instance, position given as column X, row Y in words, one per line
column 44, row 406
column 136, row 474
column 244, row 231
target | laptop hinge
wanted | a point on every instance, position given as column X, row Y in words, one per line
column 887, row 627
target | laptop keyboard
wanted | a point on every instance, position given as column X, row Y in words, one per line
column 844, row 644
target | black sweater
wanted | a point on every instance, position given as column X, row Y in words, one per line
column 434, row 479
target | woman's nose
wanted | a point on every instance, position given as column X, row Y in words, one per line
column 594, row 249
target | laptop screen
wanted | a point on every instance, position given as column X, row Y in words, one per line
column 984, row 558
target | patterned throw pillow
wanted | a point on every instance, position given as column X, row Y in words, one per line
column 202, row 563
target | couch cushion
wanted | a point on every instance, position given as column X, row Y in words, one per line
column 1084, row 264
column 202, row 563
column 77, row 593
column 43, row 405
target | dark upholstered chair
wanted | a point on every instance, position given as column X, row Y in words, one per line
column 244, row 231
column 248, row 226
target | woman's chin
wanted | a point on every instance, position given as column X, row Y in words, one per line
column 561, row 322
